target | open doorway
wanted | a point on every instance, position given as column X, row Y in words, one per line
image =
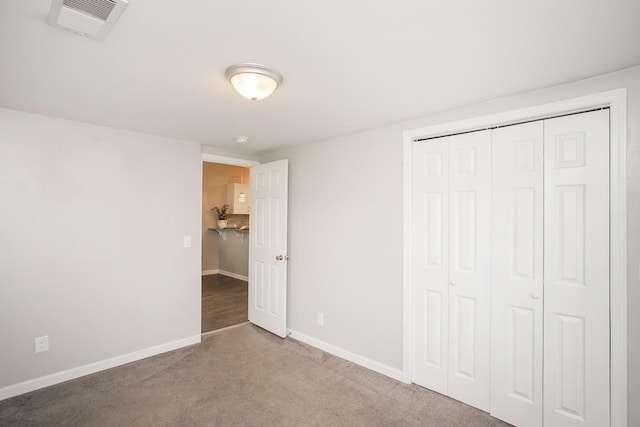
column 225, row 245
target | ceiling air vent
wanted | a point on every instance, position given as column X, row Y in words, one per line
column 89, row 18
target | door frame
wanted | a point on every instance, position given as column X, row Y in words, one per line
column 224, row 160
column 616, row 100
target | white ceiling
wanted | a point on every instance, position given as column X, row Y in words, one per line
column 348, row 65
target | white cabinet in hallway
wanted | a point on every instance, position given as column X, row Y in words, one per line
column 238, row 196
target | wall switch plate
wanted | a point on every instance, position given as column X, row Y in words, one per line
column 186, row 241
column 320, row 319
column 42, row 344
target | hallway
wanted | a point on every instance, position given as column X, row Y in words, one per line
column 224, row 302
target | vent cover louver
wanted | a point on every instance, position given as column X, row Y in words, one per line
column 100, row 9
column 90, row 18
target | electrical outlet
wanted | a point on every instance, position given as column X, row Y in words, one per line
column 42, row 344
column 186, row 241
column 320, row 319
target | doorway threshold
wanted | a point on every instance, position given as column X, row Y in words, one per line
column 215, row 331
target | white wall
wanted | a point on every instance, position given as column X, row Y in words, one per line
column 345, row 243
column 234, row 253
column 92, row 221
column 345, row 236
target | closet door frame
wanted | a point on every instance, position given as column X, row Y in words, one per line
column 616, row 100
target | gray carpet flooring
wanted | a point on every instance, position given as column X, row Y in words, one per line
column 239, row 377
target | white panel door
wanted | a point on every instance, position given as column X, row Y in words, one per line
column 517, row 274
column 430, row 266
column 451, row 275
column 268, row 247
column 470, row 268
column 576, row 276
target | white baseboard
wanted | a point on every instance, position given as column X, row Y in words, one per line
column 234, row 275
column 378, row 367
column 225, row 273
column 80, row 371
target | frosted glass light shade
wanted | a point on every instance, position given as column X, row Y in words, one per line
column 253, row 81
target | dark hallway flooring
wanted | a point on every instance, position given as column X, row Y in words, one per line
column 224, row 302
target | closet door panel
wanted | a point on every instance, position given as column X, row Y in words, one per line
column 517, row 274
column 576, row 323
column 469, row 268
column 430, row 270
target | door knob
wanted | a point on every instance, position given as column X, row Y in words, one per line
column 282, row 257
column 535, row 295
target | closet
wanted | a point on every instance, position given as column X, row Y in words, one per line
column 510, row 275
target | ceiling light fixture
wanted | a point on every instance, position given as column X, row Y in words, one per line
column 242, row 139
column 253, row 81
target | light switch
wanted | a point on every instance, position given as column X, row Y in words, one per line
column 186, row 241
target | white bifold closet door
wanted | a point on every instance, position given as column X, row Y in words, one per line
column 451, row 292
column 517, row 274
column 576, row 272
column 550, row 272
